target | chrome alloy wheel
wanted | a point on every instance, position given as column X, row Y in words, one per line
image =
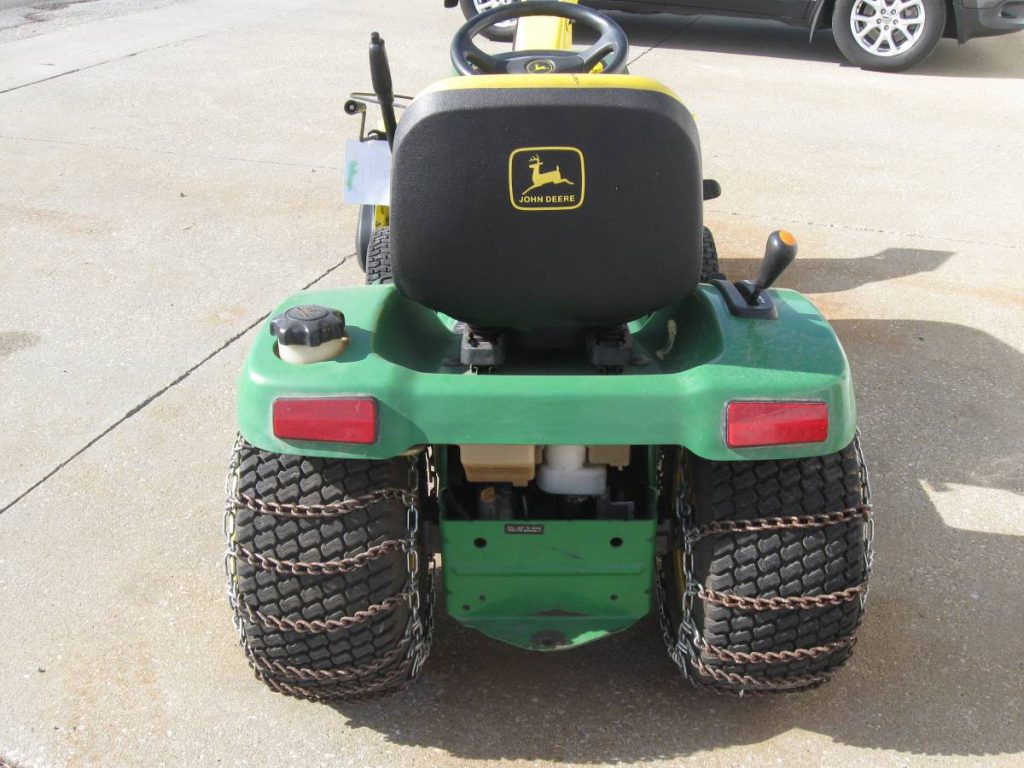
column 488, row 5
column 884, row 27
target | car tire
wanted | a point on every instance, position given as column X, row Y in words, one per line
column 364, row 228
column 778, row 571
column 378, row 257
column 502, row 33
column 709, row 267
column 320, row 578
column 884, row 46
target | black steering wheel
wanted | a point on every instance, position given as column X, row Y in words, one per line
column 611, row 41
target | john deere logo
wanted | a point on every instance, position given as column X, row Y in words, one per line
column 546, row 178
column 540, row 66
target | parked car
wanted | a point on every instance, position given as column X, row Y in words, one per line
column 890, row 35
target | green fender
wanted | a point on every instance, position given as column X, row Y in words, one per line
column 695, row 357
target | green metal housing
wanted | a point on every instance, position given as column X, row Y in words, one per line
column 551, row 584
column 548, row 584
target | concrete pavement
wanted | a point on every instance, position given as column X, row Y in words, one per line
column 168, row 171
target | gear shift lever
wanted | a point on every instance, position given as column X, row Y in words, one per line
column 749, row 299
column 779, row 252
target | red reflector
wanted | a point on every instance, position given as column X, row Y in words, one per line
column 327, row 419
column 752, row 424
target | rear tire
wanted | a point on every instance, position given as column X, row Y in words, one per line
column 378, row 257
column 323, row 599
column 911, row 41
column 794, row 595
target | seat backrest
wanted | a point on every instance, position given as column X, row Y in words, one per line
column 535, row 201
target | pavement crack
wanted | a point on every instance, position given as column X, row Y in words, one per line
column 159, row 393
column 101, row 63
column 325, row 273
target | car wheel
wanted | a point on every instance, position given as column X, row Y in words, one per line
column 888, row 35
column 503, row 31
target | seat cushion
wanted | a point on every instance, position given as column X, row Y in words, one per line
column 546, row 200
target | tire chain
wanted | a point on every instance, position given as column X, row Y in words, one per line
column 742, row 603
column 334, row 509
column 778, row 523
column 322, row 675
column 302, row 626
column 761, row 684
column 316, row 568
column 777, row 657
column 414, row 646
column 687, row 646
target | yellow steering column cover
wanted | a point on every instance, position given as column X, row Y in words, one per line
column 544, row 33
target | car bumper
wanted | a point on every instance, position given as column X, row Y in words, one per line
column 983, row 18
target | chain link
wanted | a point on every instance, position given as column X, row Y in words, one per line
column 228, row 524
column 326, row 685
column 869, row 522
column 687, row 647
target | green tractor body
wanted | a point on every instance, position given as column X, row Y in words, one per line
column 554, row 583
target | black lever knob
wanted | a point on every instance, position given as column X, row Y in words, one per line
column 380, row 72
column 779, row 252
column 380, row 76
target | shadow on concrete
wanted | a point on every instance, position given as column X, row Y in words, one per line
column 809, row 275
column 938, row 669
column 774, row 39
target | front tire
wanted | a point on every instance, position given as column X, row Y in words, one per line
column 888, row 35
column 364, row 229
column 709, row 266
column 378, row 257
column 327, row 579
column 769, row 593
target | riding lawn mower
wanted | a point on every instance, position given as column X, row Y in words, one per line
column 547, row 401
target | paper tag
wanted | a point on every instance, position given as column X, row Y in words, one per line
column 367, row 174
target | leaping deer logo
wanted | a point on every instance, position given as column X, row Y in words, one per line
column 543, row 178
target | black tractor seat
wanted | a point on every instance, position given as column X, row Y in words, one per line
column 526, row 202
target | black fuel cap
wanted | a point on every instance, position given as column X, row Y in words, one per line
column 309, row 325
